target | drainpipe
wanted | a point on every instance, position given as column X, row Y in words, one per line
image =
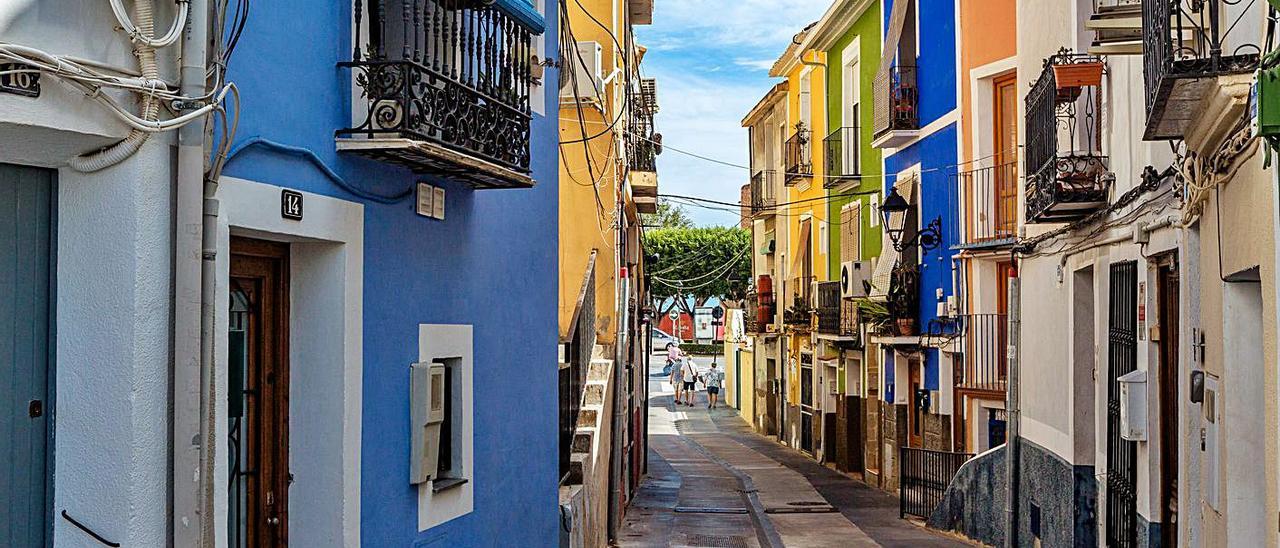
column 1012, row 443
column 193, row 309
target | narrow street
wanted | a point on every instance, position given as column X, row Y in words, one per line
column 713, row 482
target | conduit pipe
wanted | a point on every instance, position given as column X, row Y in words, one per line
column 146, row 55
column 1148, row 228
column 195, row 289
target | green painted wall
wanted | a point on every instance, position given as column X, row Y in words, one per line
column 867, row 28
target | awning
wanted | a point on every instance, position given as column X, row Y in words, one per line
column 893, row 35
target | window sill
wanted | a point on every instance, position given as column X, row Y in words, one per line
column 445, row 484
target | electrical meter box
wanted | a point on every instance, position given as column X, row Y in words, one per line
column 1265, row 102
column 1133, row 405
column 426, row 386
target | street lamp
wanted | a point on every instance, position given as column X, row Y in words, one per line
column 927, row 238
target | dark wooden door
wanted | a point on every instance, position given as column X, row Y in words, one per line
column 915, row 414
column 1122, row 357
column 258, row 399
column 26, row 355
column 1168, row 386
column 771, row 397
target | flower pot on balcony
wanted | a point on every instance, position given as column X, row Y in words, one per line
column 1074, row 75
column 906, row 326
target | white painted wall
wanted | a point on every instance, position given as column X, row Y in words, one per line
column 111, row 443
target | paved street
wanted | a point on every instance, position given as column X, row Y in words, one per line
column 712, row 482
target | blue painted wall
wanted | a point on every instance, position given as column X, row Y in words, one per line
column 491, row 263
column 937, row 155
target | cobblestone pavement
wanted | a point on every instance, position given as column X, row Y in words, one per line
column 713, row 482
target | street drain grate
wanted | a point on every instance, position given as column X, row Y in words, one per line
column 714, row 541
column 822, row 509
column 709, row 510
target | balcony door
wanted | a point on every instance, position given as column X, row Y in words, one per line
column 1005, row 133
column 258, row 395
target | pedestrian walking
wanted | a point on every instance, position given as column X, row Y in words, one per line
column 714, row 379
column 677, row 376
column 690, row 374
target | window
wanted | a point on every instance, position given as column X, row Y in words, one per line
column 450, row 491
column 449, row 469
column 823, row 242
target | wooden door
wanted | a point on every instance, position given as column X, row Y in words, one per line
column 258, row 399
column 915, row 413
column 1005, row 132
column 26, row 355
column 1168, row 386
column 771, row 397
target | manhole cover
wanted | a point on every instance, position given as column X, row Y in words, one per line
column 716, row 541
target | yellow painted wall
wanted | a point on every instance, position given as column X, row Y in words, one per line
column 589, row 189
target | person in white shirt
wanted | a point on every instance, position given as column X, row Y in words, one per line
column 690, row 375
column 714, row 379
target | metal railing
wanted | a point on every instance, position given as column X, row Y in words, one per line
column 579, row 342
column 642, row 138
column 828, row 307
column 897, row 100
column 455, row 73
column 983, row 339
column 764, row 192
column 984, row 205
column 849, row 318
column 801, row 310
column 798, row 156
column 1066, row 171
column 1189, row 39
column 923, row 477
column 842, row 148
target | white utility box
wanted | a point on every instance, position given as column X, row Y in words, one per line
column 426, row 398
column 1133, row 405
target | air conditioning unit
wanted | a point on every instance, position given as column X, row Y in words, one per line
column 852, row 276
column 587, row 73
column 426, row 387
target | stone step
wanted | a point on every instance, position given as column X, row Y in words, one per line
column 593, row 394
column 587, row 417
column 582, row 438
column 599, row 370
column 577, row 462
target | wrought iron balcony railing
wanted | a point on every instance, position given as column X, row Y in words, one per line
column 800, row 313
column 983, row 339
column 1186, row 41
column 443, row 88
column 842, row 149
column 849, row 318
column 645, row 143
column 1067, row 175
column 764, row 192
column 798, row 156
column 897, row 100
column 984, row 206
column 828, row 307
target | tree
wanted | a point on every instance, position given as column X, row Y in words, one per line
column 669, row 215
column 687, row 265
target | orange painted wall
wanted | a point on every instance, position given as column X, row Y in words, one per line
column 988, row 33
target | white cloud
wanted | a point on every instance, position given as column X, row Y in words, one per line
column 740, row 22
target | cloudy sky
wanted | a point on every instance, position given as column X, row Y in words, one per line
column 711, row 59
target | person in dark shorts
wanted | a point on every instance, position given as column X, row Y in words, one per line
column 714, row 379
column 690, row 375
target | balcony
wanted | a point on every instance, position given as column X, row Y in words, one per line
column 798, row 156
column 984, row 206
column 1117, row 27
column 644, row 144
column 764, row 193
column 1067, row 177
column 1186, row 46
column 443, row 89
column 828, row 309
column 897, row 107
column 800, row 313
column 842, row 148
column 983, row 339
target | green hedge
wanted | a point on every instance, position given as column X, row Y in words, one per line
column 703, row 349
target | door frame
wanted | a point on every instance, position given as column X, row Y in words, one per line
column 327, row 264
column 915, row 425
column 1168, row 303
